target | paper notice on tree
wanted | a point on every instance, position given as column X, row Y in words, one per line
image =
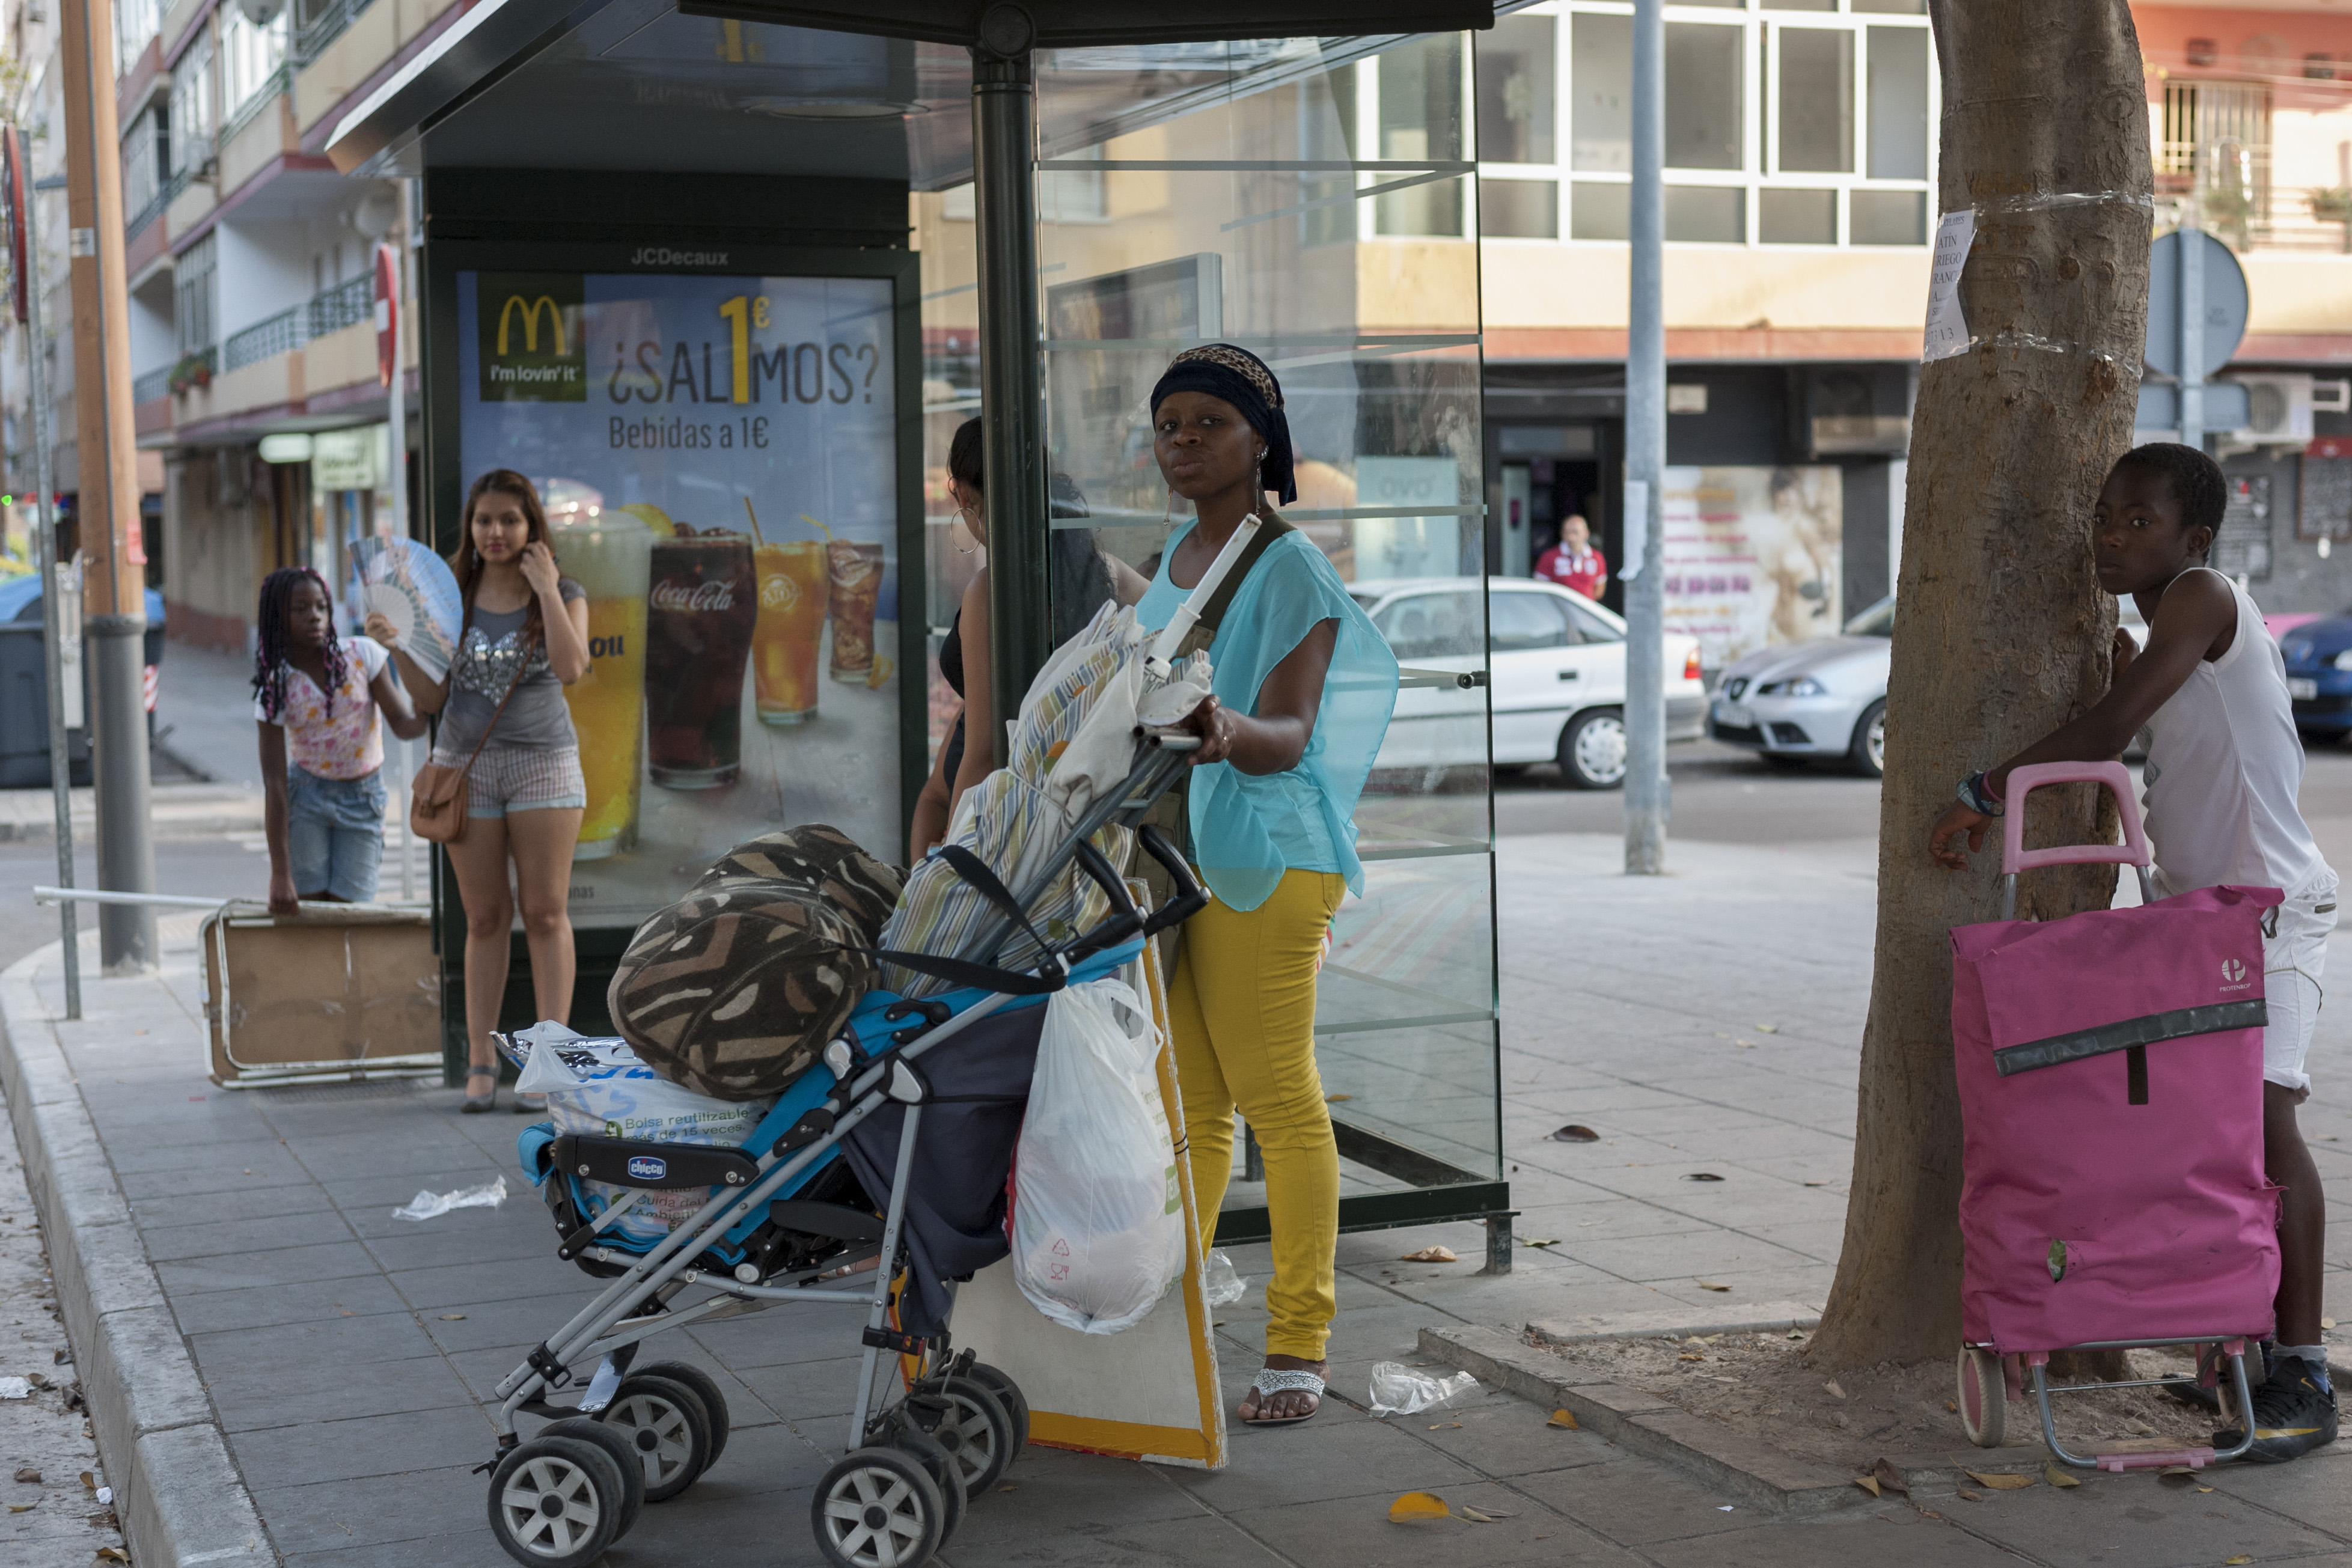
column 1947, row 326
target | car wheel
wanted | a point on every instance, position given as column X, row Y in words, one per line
column 1867, row 754
column 1592, row 750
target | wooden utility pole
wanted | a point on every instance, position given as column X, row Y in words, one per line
column 2001, row 632
column 114, row 557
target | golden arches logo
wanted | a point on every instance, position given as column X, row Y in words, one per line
column 530, row 310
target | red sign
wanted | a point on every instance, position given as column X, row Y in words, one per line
column 11, row 154
column 387, row 313
column 2330, row 446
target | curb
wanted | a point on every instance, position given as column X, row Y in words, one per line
column 1646, row 1425
column 181, row 1499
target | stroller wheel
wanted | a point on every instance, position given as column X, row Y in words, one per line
column 975, row 1430
column 714, row 1401
column 1984, row 1398
column 909, row 1438
column 878, row 1507
column 555, row 1502
column 1008, row 1394
column 664, row 1423
column 588, row 1429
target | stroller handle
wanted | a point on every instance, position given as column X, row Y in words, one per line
column 2015, row 857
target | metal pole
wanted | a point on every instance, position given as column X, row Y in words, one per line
column 52, row 600
column 1012, row 364
column 396, row 438
column 113, row 555
column 2192, row 311
column 1647, row 804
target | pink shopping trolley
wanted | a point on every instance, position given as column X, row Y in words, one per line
column 2112, row 1190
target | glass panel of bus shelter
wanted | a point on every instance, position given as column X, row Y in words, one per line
column 1306, row 199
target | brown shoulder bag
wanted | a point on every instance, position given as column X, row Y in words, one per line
column 436, row 797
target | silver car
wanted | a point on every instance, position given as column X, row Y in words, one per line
column 1826, row 698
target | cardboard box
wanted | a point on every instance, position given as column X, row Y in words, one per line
column 333, row 992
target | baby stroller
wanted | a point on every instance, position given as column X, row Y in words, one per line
column 890, row 1121
column 2112, row 1194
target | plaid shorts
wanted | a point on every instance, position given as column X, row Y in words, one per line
column 519, row 778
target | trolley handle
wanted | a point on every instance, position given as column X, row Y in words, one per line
column 2015, row 857
column 1191, row 897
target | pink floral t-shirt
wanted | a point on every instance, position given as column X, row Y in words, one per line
column 347, row 743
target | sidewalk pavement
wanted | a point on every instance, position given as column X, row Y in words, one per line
column 275, row 1360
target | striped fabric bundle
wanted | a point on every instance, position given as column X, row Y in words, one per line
column 1009, row 823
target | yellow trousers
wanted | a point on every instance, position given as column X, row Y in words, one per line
column 1243, row 1008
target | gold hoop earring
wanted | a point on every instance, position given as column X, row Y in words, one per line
column 963, row 516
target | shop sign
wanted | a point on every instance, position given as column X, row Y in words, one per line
column 1752, row 557
column 347, row 459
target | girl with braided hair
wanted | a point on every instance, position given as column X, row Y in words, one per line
column 316, row 698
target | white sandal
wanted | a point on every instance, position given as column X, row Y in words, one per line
column 1271, row 1380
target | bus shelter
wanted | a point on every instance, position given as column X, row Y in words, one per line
column 725, row 281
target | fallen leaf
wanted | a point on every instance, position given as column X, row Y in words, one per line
column 453, row 1317
column 1998, row 1480
column 1835, row 1391
column 1337, row 1099
column 2204, row 1489
column 1745, row 1044
column 2231, row 1561
column 1702, row 1175
column 1931, row 1513
column 1796, row 1334
column 1415, row 1506
column 112, row 1554
column 1692, row 1355
column 1431, row 1255
column 1968, row 1496
column 1467, row 1512
column 1769, row 1028
column 1949, row 1405
column 88, row 1481
column 23, row 1506
column 1817, row 1183
column 2327, row 1322
column 1710, row 1285
column 1539, row 1240
column 1575, row 1132
column 1442, row 1426
column 1008, row 1489
column 1868, row 1484
column 2058, row 1478
column 1565, row 1419
column 29, row 1474
column 1890, row 1477
column 2138, row 1427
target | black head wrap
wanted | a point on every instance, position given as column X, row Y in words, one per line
column 1240, row 379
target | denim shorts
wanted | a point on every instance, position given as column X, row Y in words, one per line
column 519, row 778
column 334, row 834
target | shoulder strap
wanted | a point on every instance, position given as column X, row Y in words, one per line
column 1270, row 528
column 496, row 714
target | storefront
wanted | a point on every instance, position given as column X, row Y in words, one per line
column 720, row 288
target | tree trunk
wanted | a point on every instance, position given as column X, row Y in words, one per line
column 2001, row 632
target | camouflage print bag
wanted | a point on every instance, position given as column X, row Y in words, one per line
column 733, row 991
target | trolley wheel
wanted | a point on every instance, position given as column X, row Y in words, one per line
column 1008, row 1394
column 1984, row 1398
column 714, row 1401
column 975, row 1429
column 588, row 1429
column 878, row 1507
column 555, row 1502
column 665, row 1422
column 913, row 1440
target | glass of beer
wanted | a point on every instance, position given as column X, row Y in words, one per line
column 699, row 613
column 611, row 556
column 856, row 586
column 795, row 585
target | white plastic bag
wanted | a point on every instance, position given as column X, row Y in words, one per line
column 596, row 1084
column 1098, row 1215
column 1398, row 1390
column 431, row 1205
column 1223, row 1281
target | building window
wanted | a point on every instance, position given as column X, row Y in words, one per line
column 146, row 151
column 1601, row 120
column 136, row 23
column 1704, row 75
column 2217, row 139
column 1515, row 90
column 1419, row 109
column 250, row 57
column 1518, row 209
column 1889, row 217
column 1898, row 103
column 1814, row 87
column 1796, row 217
column 193, row 297
column 192, row 119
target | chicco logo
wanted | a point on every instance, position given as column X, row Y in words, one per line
column 645, row 1167
column 2233, row 970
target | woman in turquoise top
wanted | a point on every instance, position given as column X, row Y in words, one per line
column 1300, row 698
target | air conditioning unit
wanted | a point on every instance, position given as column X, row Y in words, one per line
column 2278, row 408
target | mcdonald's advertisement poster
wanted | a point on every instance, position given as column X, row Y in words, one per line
column 717, row 459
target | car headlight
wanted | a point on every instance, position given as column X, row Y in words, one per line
column 1803, row 687
column 2342, row 660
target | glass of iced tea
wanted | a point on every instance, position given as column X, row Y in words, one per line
column 795, row 583
column 699, row 615
column 856, row 586
column 611, row 557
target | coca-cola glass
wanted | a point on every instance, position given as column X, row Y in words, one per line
column 699, row 614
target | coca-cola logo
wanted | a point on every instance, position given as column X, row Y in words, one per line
column 669, row 594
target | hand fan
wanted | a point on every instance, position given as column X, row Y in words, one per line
column 416, row 591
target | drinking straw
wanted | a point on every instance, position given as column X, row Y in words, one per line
column 817, row 525
column 756, row 535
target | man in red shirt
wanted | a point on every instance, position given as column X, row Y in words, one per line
column 1573, row 564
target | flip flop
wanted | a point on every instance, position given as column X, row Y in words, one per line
column 1270, row 1381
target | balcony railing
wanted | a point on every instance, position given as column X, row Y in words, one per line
column 328, row 311
column 152, row 385
column 280, row 334
column 156, row 204
column 272, row 86
column 319, row 23
column 2309, row 219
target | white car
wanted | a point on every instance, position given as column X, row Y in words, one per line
column 1556, row 668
